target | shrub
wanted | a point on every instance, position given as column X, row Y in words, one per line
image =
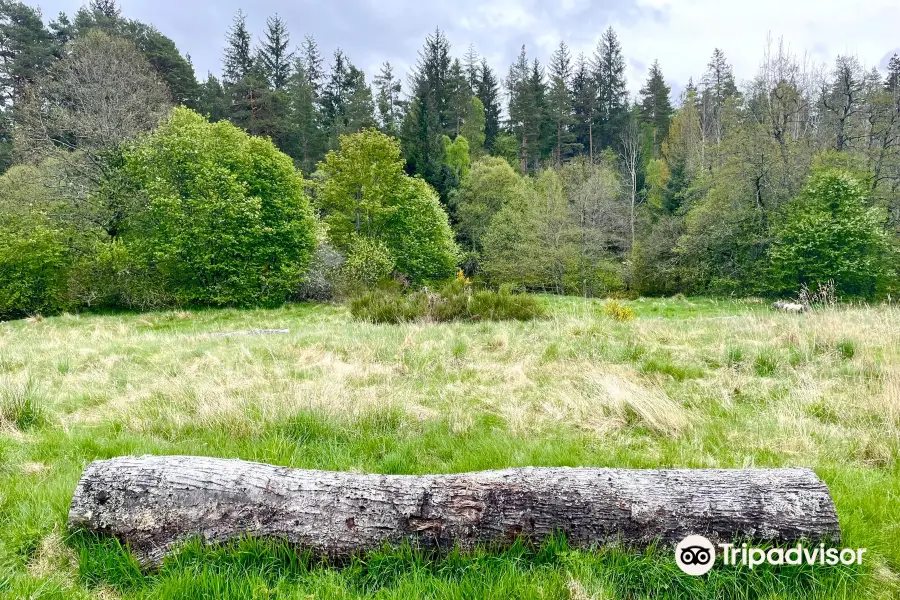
column 456, row 301
column 227, row 221
column 33, row 263
column 388, row 306
column 369, row 262
column 618, row 311
column 323, row 273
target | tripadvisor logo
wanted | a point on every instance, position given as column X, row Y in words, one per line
column 696, row 555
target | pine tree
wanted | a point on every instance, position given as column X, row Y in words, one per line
column 892, row 83
column 488, row 91
column 274, row 52
column 584, row 105
column 26, row 49
column 471, row 63
column 238, row 57
column 387, row 100
column 107, row 8
column 307, row 144
column 524, row 84
column 655, row 106
column 460, row 95
column 612, row 90
column 717, row 86
column 312, row 62
column 560, row 103
column 212, row 101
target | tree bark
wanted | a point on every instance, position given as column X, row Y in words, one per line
column 152, row 503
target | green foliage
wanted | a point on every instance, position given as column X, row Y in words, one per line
column 456, row 156
column 369, row 262
column 455, row 301
column 33, row 261
column 491, row 184
column 226, row 221
column 366, row 193
column 22, row 405
column 829, row 233
column 473, row 128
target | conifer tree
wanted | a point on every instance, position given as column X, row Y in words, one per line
column 238, row 57
column 274, row 52
column 655, row 106
column 560, row 104
column 387, row 101
column 488, row 91
column 471, row 65
column 584, row 105
column 892, row 83
column 612, row 91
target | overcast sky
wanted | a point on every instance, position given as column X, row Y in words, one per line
column 680, row 33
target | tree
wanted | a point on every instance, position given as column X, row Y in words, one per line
column 473, row 128
column 26, row 49
column 584, row 105
column 631, row 160
column 488, row 92
column 717, row 87
column 306, row 140
column 238, row 55
column 212, row 101
column 367, row 193
column 612, row 88
column 830, row 234
column 456, row 156
column 389, row 105
column 843, row 101
column 892, row 81
column 225, row 221
column 346, row 100
column 101, row 95
column 560, row 104
column 655, row 106
column 460, row 96
column 312, row 63
column 491, row 184
column 472, row 68
column 276, row 59
column 525, row 86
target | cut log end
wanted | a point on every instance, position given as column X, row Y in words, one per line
column 153, row 503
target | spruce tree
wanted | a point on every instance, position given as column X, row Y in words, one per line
column 460, row 95
column 655, row 106
column 274, row 52
column 560, row 104
column 238, row 57
column 312, row 62
column 717, row 86
column 612, row 90
column 212, row 101
column 387, row 100
column 471, row 64
column 892, row 83
column 524, row 84
column 307, row 144
column 488, row 91
column 584, row 105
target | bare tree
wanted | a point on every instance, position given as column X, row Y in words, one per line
column 101, row 94
column 631, row 155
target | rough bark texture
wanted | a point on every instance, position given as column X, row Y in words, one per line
column 152, row 503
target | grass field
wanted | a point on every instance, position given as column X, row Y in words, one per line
column 688, row 383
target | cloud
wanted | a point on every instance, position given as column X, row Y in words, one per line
column 681, row 34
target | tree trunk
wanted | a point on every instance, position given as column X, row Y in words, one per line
column 152, row 503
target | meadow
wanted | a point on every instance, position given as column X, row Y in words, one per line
column 687, row 383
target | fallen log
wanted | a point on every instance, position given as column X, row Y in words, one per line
column 152, row 503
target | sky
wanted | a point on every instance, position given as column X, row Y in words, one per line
column 681, row 34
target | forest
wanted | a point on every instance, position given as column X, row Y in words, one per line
column 129, row 181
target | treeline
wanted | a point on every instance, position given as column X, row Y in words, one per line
column 553, row 177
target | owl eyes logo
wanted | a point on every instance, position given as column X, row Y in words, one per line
column 695, row 555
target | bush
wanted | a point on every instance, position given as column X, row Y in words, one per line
column 456, row 301
column 618, row 311
column 369, row 262
column 33, row 263
column 323, row 274
column 389, row 306
column 227, row 221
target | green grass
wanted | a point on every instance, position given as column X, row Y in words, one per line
column 688, row 383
